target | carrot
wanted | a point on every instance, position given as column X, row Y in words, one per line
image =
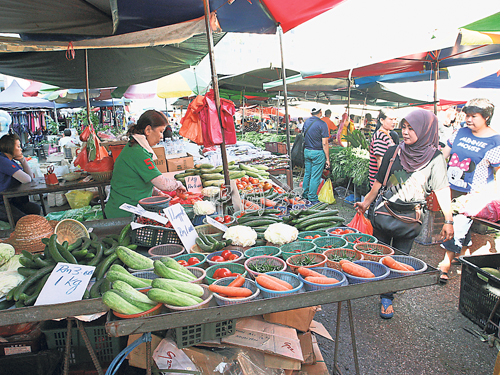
column 355, row 269
column 321, row 280
column 279, row 281
column 270, row 284
column 309, row 272
column 267, row 202
column 239, row 281
column 230, row 291
column 250, row 205
column 395, row 265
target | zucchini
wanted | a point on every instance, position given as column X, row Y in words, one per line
column 31, row 280
column 168, row 273
column 324, row 214
column 103, row 267
column 261, row 167
column 163, row 296
column 132, row 295
column 203, row 246
column 135, row 282
column 172, row 263
column 204, row 166
column 253, row 174
column 98, row 255
column 26, row 272
column 212, row 176
column 327, row 220
column 170, row 288
column 248, row 168
column 95, row 291
column 213, row 183
column 233, row 175
column 133, row 259
column 117, row 303
column 189, row 288
column 260, row 222
column 75, row 245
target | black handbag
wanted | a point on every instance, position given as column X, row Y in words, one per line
column 396, row 219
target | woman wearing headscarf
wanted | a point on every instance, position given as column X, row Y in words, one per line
column 418, row 169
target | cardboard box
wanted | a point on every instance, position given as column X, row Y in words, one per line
column 299, row 318
column 137, row 357
column 319, row 368
column 161, row 162
column 306, row 344
column 180, row 163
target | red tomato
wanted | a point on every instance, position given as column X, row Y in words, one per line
column 232, row 257
column 193, row 260
column 217, row 258
column 308, row 237
column 219, row 219
column 244, row 179
column 222, row 272
column 226, row 253
column 183, row 263
column 227, row 219
column 317, row 236
column 297, row 251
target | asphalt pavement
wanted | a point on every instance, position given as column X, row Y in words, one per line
column 426, row 335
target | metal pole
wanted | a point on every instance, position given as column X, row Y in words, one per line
column 436, row 72
column 215, row 81
column 285, row 95
column 87, row 91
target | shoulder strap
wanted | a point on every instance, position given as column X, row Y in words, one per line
column 390, row 165
column 305, row 130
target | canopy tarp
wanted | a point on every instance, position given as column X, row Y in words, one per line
column 12, row 98
column 489, row 82
column 483, row 31
column 253, row 80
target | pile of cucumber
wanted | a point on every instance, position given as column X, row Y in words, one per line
column 314, row 218
column 87, row 251
column 213, row 176
column 209, row 244
column 259, row 221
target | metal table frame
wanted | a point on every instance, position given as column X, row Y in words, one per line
column 38, row 186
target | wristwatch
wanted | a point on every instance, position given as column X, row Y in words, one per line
column 448, row 222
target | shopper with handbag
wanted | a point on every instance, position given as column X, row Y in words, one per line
column 409, row 172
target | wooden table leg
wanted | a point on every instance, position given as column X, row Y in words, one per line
column 44, row 209
column 8, row 211
column 289, row 178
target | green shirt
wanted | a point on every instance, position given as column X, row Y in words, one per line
column 132, row 174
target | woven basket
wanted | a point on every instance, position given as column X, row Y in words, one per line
column 379, row 270
column 354, row 238
column 419, row 266
column 332, row 242
column 343, row 252
column 28, row 234
column 240, row 259
column 288, row 249
column 201, row 257
column 155, row 204
column 263, row 250
column 151, row 312
column 311, row 233
column 70, row 230
column 233, row 267
column 272, row 260
column 101, row 176
column 290, row 278
column 223, row 301
column 328, row 272
column 206, row 297
column 330, row 230
column 172, row 250
column 386, row 250
column 318, row 259
column 209, row 230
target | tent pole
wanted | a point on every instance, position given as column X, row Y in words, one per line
column 87, row 96
column 436, row 71
column 215, row 81
column 285, row 95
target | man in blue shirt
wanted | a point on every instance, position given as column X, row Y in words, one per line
column 316, row 154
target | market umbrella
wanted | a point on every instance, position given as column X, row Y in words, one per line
column 483, row 31
column 491, row 81
column 184, row 83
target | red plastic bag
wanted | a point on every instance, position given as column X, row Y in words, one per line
column 361, row 223
column 86, row 133
column 81, row 158
column 102, row 165
column 490, row 212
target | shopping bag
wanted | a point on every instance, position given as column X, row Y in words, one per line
column 361, row 223
column 326, row 193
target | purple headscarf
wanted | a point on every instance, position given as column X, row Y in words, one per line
column 419, row 154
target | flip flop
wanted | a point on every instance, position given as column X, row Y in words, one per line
column 456, row 262
column 386, row 309
column 443, row 280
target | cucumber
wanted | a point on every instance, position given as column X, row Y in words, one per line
column 182, row 286
column 233, row 175
column 203, row 246
column 253, row 174
column 132, row 295
column 172, row 263
column 248, row 168
column 75, row 245
column 28, row 263
column 26, row 272
column 316, row 215
column 270, row 211
column 30, row 300
column 170, row 288
column 163, row 296
column 327, row 220
column 98, row 255
column 213, row 183
column 133, row 259
column 260, row 242
column 212, row 176
column 261, row 167
column 21, row 288
column 95, row 291
column 133, row 281
column 260, row 229
column 260, row 222
column 318, row 226
column 54, row 252
column 117, row 303
column 103, row 267
column 183, row 175
column 168, row 273
column 63, row 250
column 204, row 166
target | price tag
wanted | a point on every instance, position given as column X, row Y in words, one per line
column 216, row 224
column 193, row 184
column 66, row 283
column 235, row 197
column 142, row 212
column 182, row 225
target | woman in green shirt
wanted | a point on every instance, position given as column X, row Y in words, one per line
column 135, row 176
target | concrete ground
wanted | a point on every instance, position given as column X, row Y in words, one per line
column 426, row 334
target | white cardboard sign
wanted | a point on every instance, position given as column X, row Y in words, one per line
column 216, row 224
column 142, row 212
column 182, row 225
column 235, row 196
column 193, row 184
column 66, row 283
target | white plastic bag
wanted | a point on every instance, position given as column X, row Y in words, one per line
column 168, row 356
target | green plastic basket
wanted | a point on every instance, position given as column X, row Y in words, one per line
column 311, row 233
column 198, row 333
column 233, row 267
column 263, row 250
column 331, row 241
column 354, row 238
column 201, row 257
column 209, row 230
column 288, row 249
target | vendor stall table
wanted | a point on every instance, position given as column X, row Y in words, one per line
column 38, row 186
column 488, row 223
column 286, row 171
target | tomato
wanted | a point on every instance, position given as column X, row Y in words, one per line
column 193, row 260
column 244, row 179
column 317, row 236
column 267, row 186
column 219, row 219
column 296, row 251
column 227, row 219
column 217, row 258
column 183, row 263
column 308, row 237
column 232, row 257
column 253, row 180
column 222, row 272
column 226, row 253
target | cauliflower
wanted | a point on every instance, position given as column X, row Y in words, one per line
column 6, row 252
column 241, row 235
column 12, row 265
column 9, row 280
column 203, row 208
column 280, row 234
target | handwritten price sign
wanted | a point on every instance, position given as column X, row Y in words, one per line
column 66, row 283
column 193, row 184
column 182, row 225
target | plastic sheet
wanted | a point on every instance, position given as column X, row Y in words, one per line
column 79, row 198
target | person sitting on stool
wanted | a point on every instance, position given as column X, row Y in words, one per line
column 13, row 173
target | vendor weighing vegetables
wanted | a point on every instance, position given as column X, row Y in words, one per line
column 135, row 176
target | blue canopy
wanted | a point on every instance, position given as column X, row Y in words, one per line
column 489, row 82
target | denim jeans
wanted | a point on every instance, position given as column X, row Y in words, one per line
column 314, row 161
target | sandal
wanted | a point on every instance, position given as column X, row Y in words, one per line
column 386, row 310
column 456, row 262
column 443, row 280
